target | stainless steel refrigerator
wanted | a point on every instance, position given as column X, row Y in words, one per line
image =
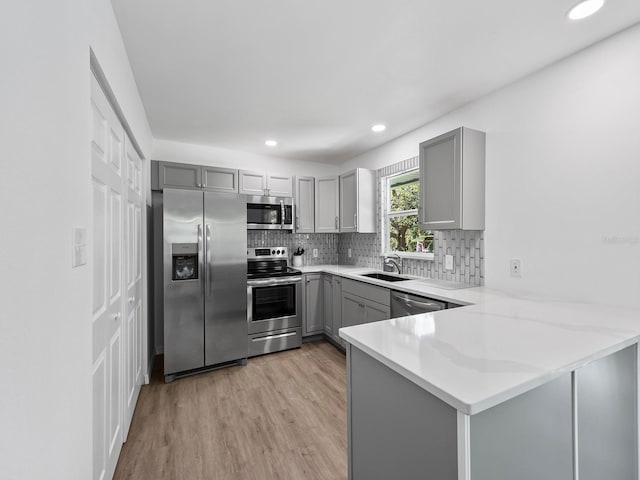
column 205, row 280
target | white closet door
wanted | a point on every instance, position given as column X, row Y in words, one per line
column 133, row 351
column 107, row 157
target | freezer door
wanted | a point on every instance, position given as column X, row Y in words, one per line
column 225, row 277
column 183, row 258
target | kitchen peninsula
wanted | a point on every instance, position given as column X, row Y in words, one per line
column 502, row 390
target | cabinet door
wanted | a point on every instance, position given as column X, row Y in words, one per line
column 327, row 201
column 327, row 293
column 220, row 179
column 179, row 175
column 374, row 312
column 337, row 304
column 349, row 202
column 314, row 305
column 440, row 181
column 279, row 185
column 252, row 183
column 352, row 310
column 305, row 203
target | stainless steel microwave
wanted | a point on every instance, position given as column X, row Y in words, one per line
column 269, row 213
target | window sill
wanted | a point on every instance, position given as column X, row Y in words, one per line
column 412, row 255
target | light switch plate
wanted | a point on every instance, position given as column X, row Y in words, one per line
column 349, row 252
column 315, row 253
column 448, row 262
column 79, row 247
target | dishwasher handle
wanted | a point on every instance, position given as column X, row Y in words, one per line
column 404, row 304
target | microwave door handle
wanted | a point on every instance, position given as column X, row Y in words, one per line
column 282, row 214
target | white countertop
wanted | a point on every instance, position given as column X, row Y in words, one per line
column 494, row 349
column 465, row 296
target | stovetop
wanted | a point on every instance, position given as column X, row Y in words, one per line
column 269, row 262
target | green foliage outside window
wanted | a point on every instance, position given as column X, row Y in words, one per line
column 405, row 234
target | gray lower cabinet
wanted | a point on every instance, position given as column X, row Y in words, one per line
column 327, row 295
column 587, row 419
column 337, row 309
column 313, row 323
column 364, row 303
column 193, row 177
column 352, row 310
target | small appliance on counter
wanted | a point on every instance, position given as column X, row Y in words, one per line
column 297, row 257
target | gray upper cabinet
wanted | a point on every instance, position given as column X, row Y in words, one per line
column 193, row 177
column 260, row 183
column 176, row 175
column 279, row 185
column 452, row 181
column 305, row 204
column 327, row 204
column 220, row 179
column 358, row 201
column 253, row 183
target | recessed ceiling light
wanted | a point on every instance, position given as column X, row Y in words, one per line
column 584, row 9
column 379, row 128
column 270, row 143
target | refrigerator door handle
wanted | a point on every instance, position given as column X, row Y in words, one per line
column 201, row 254
column 209, row 285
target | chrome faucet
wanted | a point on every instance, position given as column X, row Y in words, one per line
column 390, row 262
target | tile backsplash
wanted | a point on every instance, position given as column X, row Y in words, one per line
column 467, row 248
column 326, row 243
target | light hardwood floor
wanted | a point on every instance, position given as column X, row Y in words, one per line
column 282, row 416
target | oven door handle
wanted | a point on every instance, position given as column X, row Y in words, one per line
column 268, row 282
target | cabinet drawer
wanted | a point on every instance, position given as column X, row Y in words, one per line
column 370, row 292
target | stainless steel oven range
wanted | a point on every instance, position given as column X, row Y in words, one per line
column 274, row 301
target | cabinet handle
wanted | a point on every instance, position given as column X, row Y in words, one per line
column 355, row 220
column 336, row 222
column 297, row 223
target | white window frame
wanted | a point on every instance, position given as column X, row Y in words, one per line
column 386, row 215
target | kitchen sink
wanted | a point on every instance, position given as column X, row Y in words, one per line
column 385, row 277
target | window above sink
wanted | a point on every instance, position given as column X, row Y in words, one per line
column 401, row 231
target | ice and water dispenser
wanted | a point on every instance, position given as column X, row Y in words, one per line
column 184, row 261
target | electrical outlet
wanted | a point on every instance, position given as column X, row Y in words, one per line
column 349, row 252
column 448, row 262
column 315, row 253
column 516, row 267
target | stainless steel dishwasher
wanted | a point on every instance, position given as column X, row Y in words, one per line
column 403, row 304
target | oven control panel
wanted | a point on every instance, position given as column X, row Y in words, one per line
column 273, row 252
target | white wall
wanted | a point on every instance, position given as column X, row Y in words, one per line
column 563, row 175
column 45, row 325
column 170, row 151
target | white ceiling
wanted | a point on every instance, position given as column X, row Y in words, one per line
column 316, row 75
